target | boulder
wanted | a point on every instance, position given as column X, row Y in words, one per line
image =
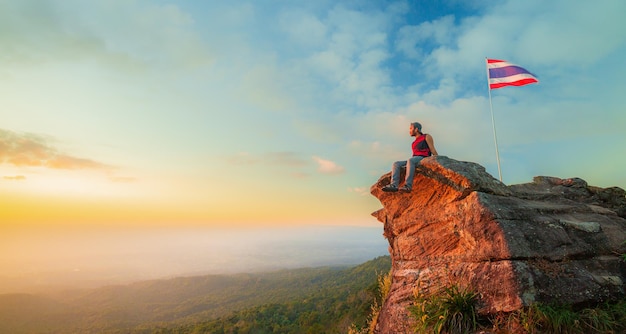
column 551, row 240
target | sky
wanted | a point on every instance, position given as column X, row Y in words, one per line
column 240, row 113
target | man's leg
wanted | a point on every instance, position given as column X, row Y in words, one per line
column 396, row 168
column 411, row 164
column 395, row 176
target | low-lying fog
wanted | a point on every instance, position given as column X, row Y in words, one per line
column 34, row 261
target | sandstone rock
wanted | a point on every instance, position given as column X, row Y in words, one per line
column 552, row 240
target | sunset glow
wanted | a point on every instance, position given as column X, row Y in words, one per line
column 233, row 113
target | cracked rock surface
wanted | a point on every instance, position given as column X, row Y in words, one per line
column 551, row 240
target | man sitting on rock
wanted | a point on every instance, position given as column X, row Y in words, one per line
column 423, row 146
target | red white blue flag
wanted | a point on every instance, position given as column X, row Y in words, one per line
column 502, row 73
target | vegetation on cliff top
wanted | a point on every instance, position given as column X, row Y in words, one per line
column 453, row 310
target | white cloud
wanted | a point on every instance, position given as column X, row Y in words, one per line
column 31, row 150
column 122, row 35
column 304, row 29
column 327, row 167
column 363, row 191
column 438, row 32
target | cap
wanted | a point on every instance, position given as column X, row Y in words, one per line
column 417, row 125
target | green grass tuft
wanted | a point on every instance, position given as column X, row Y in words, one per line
column 558, row 319
column 384, row 285
column 453, row 310
column 561, row 319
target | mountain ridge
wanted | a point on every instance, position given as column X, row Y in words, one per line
column 177, row 301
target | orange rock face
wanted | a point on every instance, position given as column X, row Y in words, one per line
column 550, row 240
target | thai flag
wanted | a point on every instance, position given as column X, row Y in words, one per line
column 502, row 73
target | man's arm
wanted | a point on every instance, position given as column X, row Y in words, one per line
column 431, row 144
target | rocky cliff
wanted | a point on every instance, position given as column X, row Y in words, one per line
column 552, row 240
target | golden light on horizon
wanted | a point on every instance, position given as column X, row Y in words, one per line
column 78, row 201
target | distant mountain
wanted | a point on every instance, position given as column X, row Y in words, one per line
column 183, row 304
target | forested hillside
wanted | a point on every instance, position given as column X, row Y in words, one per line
column 288, row 301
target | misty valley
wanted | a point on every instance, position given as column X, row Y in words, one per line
column 146, row 280
column 317, row 300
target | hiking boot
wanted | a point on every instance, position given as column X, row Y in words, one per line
column 390, row 188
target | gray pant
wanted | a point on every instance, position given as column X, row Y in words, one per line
column 410, row 171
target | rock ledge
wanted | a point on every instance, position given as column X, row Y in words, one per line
column 550, row 240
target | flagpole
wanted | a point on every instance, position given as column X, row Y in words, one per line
column 493, row 121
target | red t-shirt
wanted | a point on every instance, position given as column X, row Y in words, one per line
column 420, row 146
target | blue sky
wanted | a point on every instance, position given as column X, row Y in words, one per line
column 255, row 112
